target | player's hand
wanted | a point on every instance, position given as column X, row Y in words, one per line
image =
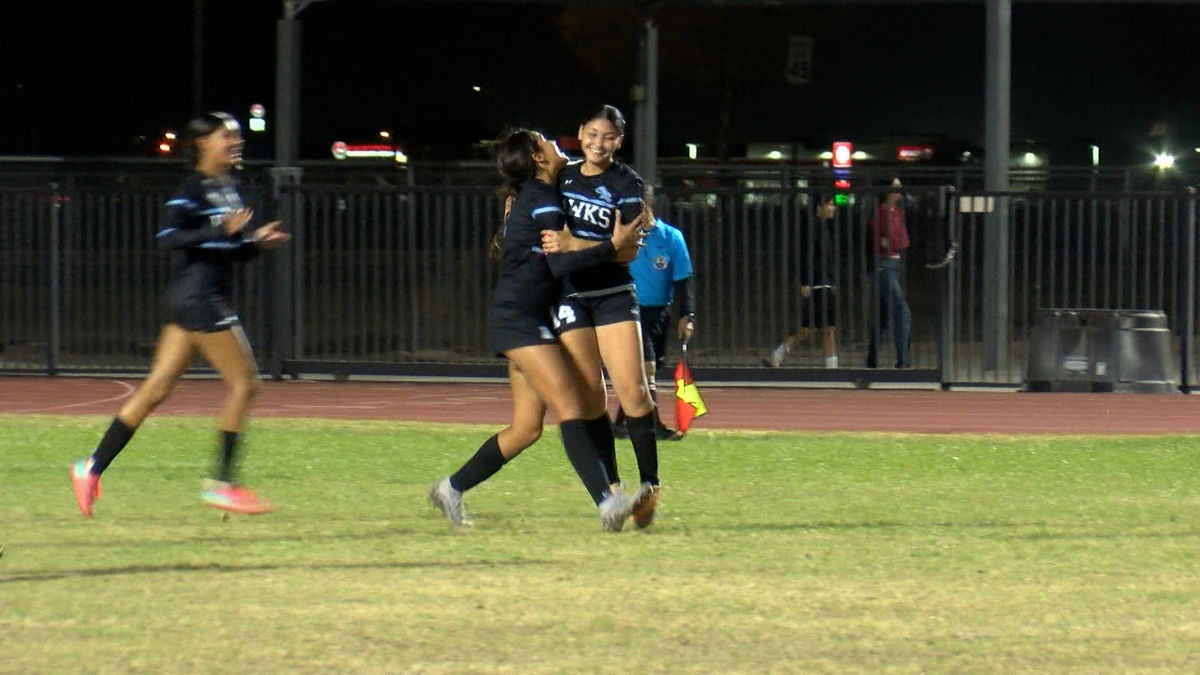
column 627, row 238
column 645, row 220
column 508, row 204
column 270, row 235
column 684, row 330
column 805, row 291
column 236, row 221
column 560, row 241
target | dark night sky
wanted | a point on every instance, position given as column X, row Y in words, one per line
column 94, row 79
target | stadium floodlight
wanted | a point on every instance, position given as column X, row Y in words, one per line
column 1164, row 161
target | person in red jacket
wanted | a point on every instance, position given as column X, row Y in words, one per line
column 889, row 239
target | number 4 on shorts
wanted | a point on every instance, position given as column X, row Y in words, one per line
column 565, row 315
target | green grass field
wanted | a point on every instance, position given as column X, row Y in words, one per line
column 773, row 552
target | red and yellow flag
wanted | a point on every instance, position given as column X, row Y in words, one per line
column 688, row 404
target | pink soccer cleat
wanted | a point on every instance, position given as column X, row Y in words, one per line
column 233, row 498
column 87, row 485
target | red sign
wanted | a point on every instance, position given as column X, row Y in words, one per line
column 913, row 153
column 842, row 154
column 343, row 150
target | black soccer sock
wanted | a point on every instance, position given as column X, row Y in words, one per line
column 581, row 450
column 227, row 457
column 601, row 432
column 486, row 461
column 645, row 445
column 113, row 441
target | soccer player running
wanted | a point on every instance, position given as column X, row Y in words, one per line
column 207, row 228
column 661, row 272
column 540, row 374
column 598, row 318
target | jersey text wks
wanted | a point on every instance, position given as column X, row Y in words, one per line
column 202, row 253
column 590, row 202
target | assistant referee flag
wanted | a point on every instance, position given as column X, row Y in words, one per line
column 688, row 404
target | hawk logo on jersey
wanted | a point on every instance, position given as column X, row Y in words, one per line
column 603, row 193
column 661, row 262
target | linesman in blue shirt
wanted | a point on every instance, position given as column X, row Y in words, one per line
column 662, row 272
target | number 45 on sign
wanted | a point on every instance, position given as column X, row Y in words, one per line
column 799, row 61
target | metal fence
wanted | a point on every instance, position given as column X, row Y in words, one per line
column 81, row 277
column 1129, row 251
column 397, row 280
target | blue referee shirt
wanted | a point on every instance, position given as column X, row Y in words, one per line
column 662, row 261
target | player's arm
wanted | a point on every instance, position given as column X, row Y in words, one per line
column 186, row 225
column 625, row 240
column 564, row 251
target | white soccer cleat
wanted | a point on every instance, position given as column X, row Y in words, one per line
column 450, row 501
column 616, row 509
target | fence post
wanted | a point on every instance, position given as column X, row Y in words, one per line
column 54, row 343
column 949, row 216
column 282, row 294
column 1189, row 294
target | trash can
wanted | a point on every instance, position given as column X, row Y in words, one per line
column 1100, row 350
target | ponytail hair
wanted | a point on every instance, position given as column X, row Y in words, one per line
column 514, row 160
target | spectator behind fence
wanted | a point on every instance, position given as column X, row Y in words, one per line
column 889, row 240
column 817, row 265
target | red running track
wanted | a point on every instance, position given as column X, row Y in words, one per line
column 731, row 408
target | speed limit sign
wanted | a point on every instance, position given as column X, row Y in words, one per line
column 799, row 59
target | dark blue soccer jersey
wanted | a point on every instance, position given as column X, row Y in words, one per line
column 202, row 254
column 525, row 281
column 590, row 203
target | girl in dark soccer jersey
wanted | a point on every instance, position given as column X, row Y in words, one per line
column 598, row 319
column 540, row 374
column 207, row 228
